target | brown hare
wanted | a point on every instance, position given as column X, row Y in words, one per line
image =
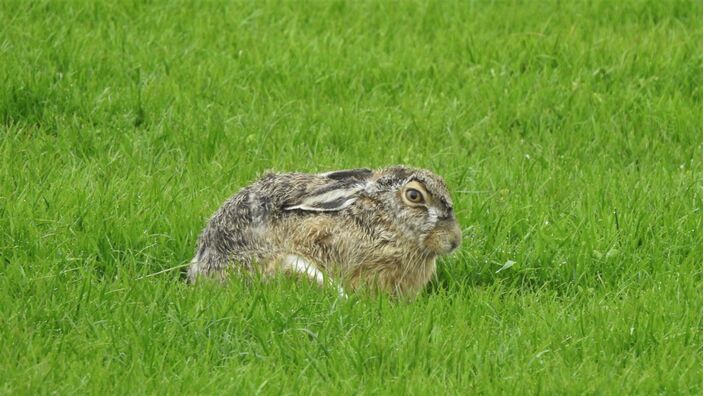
column 381, row 229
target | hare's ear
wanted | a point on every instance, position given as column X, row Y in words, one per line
column 349, row 174
column 331, row 197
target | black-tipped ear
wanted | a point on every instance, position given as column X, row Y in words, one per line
column 349, row 174
column 329, row 198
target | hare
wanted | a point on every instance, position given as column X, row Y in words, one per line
column 382, row 228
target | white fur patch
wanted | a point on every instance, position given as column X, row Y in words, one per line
column 433, row 215
column 310, row 207
column 302, row 266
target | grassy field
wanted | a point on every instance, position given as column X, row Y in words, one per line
column 569, row 132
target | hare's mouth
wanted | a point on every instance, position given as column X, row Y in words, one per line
column 444, row 239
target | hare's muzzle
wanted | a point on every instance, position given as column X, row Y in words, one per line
column 445, row 237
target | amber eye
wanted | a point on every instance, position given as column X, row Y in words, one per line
column 414, row 195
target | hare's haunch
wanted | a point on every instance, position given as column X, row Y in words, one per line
column 381, row 228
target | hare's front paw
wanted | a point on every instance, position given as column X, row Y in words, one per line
column 295, row 264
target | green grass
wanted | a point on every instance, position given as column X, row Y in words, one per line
column 570, row 133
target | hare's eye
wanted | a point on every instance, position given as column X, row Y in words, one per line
column 414, row 195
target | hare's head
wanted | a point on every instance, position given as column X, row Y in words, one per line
column 420, row 206
column 416, row 201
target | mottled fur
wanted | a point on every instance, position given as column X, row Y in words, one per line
column 352, row 225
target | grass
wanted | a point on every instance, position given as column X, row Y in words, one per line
column 570, row 134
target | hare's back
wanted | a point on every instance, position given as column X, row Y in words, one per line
column 276, row 195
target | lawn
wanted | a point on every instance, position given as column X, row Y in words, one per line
column 569, row 132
